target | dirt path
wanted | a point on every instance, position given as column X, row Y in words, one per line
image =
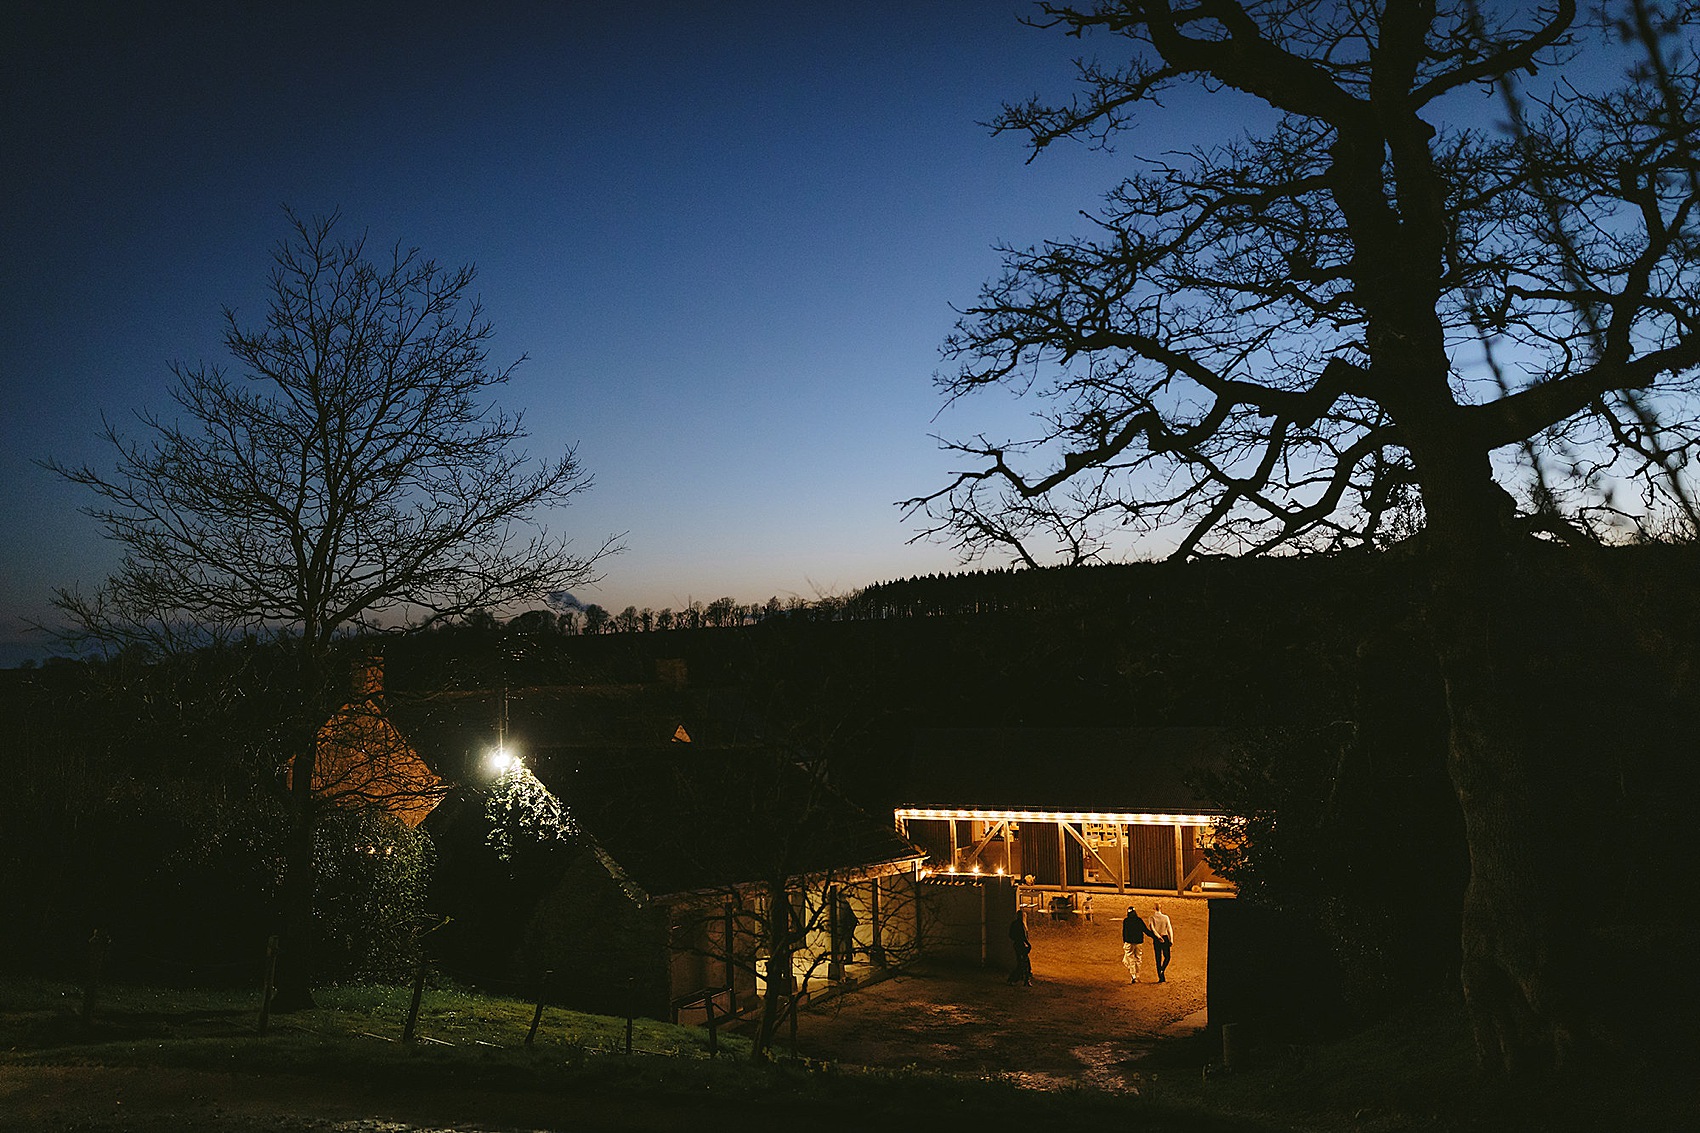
column 1082, row 1022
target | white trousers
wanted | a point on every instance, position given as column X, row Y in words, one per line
column 1130, row 958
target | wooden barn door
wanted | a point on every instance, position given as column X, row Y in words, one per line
column 1151, row 857
column 1040, row 855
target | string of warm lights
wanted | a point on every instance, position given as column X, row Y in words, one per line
column 951, row 871
column 1096, row 818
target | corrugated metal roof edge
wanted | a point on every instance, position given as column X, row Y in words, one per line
column 862, row 872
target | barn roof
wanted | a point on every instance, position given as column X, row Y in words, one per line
column 1129, row 770
column 674, row 816
column 686, row 816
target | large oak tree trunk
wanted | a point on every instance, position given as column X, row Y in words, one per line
column 1524, row 922
column 300, row 877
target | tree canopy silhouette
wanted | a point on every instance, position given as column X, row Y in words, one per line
column 1348, row 328
column 353, row 475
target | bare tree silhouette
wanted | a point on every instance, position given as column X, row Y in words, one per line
column 352, row 476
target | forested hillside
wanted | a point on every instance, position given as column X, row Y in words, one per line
column 129, row 793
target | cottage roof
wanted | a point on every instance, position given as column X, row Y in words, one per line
column 1129, row 770
column 459, row 728
column 362, row 758
column 674, row 816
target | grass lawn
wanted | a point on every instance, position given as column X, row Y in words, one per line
column 1411, row 1073
column 475, row 1044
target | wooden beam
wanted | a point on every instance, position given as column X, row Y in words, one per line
column 1087, row 846
column 876, row 946
column 1180, row 861
column 729, row 934
column 834, row 943
column 1121, row 843
column 980, row 846
column 1198, row 871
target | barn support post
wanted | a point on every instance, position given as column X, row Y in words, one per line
column 1062, row 853
column 834, row 942
column 1126, row 870
column 920, row 921
column 876, row 943
column 1180, row 861
column 985, row 941
column 727, row 938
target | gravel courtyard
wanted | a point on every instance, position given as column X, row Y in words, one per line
column 1082, row 1022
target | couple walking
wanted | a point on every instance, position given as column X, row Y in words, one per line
column 1134, row 931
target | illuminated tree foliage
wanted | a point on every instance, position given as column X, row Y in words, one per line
column 369, row 899
column 1350, row 326
column 523, row 813
column 352, row 475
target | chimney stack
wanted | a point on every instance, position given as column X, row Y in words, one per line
column 369, row 678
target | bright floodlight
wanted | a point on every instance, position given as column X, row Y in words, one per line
column 503, row 761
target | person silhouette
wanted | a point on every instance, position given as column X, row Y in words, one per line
column 1162, row 940
column 1134, row 933
column 1022, row 973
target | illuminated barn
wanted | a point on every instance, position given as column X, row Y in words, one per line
column 658, row 899
column 1070, row 808
column 665, row 901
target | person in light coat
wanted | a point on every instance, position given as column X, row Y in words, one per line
column 1162, row 940
column 1134, row 933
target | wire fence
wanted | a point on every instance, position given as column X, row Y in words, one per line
column 99, row 1001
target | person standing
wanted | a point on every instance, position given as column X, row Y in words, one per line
column 846, row 942
column 1022, row 973
column 1134, row 933
column 1162, row 940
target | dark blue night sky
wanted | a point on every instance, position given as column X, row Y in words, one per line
column 727, row 235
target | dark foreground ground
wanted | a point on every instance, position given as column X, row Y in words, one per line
column 1082, row 1024
column 949, row 1048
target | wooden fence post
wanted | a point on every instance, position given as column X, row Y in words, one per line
column 413, row 1009
column 99, row 942
column 631, row 1009
column 270, row 983
column 537, row 1015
